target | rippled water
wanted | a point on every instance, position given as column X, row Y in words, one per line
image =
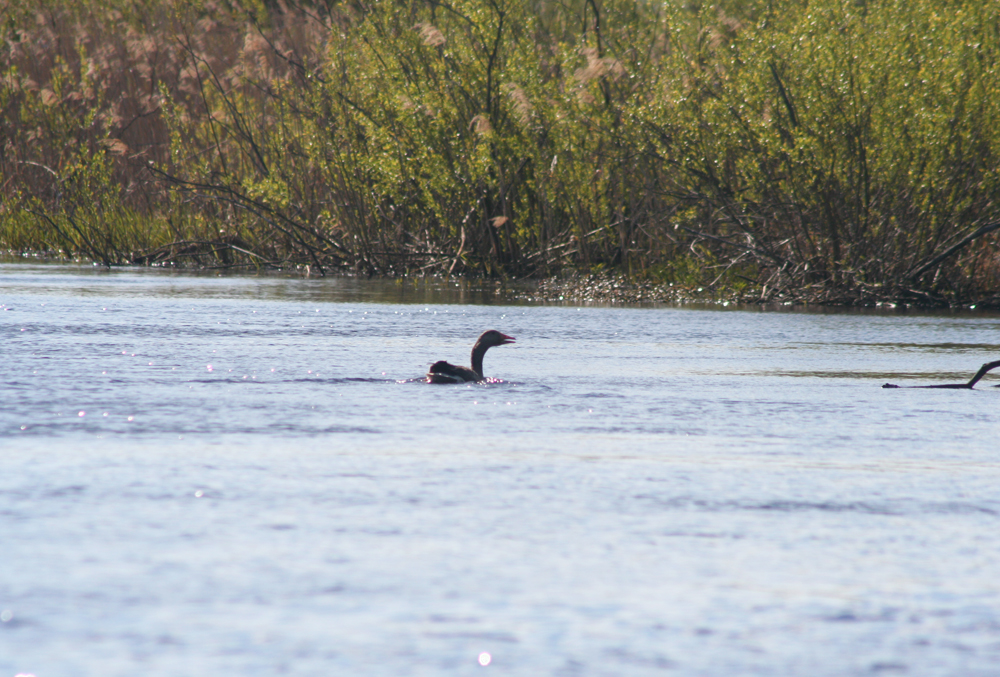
column 243, row 476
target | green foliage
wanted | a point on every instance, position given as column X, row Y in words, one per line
column 442, row 110
column 832, row 145
column 846, row 141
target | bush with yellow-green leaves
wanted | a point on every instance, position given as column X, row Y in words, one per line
column 840, row 151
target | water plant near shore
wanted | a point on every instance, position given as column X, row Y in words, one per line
column 829, row 150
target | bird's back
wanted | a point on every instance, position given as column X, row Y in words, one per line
column 446, row 372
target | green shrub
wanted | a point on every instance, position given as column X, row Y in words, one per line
column 838, row 150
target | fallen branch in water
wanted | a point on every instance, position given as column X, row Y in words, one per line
column 983, row 370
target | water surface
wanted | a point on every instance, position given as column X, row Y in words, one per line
column 205, row 475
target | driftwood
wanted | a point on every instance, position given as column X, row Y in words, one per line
column 957, row 386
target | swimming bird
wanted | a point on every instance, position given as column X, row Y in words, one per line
column 445, row 372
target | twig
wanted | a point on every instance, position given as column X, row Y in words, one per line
column 458, row 254
column 756, row 250
column 979, row 232
column 554, row 247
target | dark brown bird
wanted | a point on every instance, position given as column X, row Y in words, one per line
column 445, row 372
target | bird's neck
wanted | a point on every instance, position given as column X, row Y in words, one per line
column 478, row 351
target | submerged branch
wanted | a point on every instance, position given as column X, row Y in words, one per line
column 983, row 370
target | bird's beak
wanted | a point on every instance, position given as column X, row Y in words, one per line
column 506, row 339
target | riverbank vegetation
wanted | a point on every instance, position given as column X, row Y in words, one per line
column 836, row 151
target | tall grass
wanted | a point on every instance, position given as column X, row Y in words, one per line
column 840, row 151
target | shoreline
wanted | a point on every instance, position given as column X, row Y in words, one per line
column 601, row 288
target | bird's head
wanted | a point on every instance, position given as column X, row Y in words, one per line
column 494, row 338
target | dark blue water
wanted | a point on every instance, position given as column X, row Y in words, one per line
column 244, row 476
